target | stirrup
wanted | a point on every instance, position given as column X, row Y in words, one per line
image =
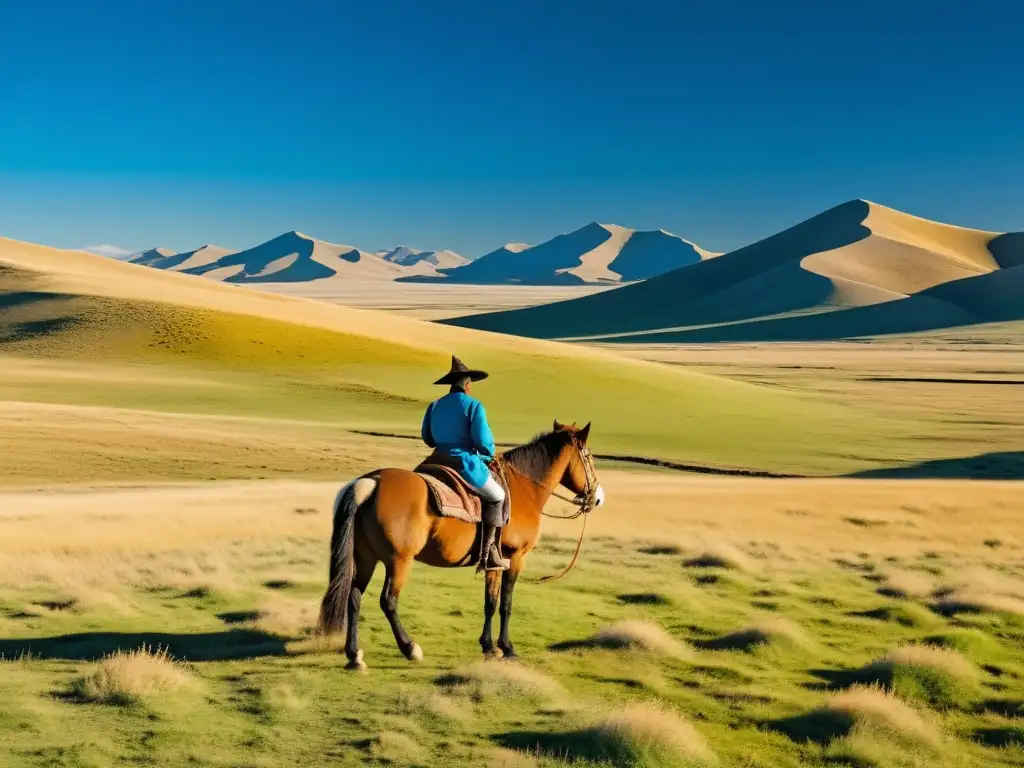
column 493, row 561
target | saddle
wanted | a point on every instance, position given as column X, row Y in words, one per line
column 452, row 496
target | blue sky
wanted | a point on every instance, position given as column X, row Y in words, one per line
column 465, row 125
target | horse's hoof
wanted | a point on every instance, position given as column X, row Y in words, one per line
column 509, row 655
column 491, row 654
column 415, row 653
column 357, row 664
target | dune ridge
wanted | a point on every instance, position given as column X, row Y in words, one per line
column 857, row 269
column 594, row 254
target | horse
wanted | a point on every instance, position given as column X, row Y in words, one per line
column 385, row 516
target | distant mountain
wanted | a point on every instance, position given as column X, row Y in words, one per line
column 595, row 254
column 859, row 269
column 405, row 256
column 153, row 255
column 162, row 258
column 295, row 257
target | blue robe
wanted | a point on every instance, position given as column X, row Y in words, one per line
column 456, row 425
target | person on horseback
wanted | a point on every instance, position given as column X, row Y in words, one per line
column 456, row 427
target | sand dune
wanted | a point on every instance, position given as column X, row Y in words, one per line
column 857, row 269
column 405, row 256
column 153, row 255
column 179, row 262
column 295, row 257
column 596, row 253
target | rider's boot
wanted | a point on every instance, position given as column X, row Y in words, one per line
column 493, row 561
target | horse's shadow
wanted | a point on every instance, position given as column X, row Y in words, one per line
column 204, row 646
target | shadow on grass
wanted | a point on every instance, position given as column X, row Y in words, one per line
column 820, row 726
column 644, row 598
column 90, row 646
column 580, row 745
column 1007, row 465
column 1001, row 737
column 744, row 640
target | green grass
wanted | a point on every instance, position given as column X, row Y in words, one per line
column 262, row 693
column 210, row 362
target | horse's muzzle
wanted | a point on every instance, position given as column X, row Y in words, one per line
column 598, row 497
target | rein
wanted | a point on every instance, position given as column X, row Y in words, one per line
column 585, row 502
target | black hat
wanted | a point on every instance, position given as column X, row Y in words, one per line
column 460, row 371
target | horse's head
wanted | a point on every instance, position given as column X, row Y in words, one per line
column 580, row 476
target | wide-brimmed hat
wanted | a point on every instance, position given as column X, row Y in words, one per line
column 460, row 371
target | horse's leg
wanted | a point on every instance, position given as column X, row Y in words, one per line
column 492, row 587
column 366, row 563
column 397, row 572
column 508, row 584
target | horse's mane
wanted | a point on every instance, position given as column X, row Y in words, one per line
column 535, row 458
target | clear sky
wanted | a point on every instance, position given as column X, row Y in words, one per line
column 464, row 125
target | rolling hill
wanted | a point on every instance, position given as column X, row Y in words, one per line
column 596, row 253
column 253, row 353
column 858, row 269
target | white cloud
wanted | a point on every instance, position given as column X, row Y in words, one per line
column 112, row 251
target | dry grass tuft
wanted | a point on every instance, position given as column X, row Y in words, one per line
column 636, row 635
column 858, row 712
column 394, row 748
column 905, row 584
column 884, row 712
column 721, row 555
column 487, row 680
column 952, row 603
column 131, row 677
column 645, row 734
column 938, row 676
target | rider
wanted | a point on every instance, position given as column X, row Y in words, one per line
column 456, row 427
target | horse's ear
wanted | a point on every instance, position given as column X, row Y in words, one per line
column 559, row 426
column 584, row 433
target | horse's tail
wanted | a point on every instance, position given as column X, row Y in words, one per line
column 334, row 607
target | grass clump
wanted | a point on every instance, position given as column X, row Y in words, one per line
column 976, row 645
column 859, row 711
column 489, row 680
column 127, row 678
column 647, row 735
column 966, row 601
column 776, row 633
column 722, row 556
column 633, row 635
column 905, row 614
column 905, row 585
column 638, row 736
column 937, row 676
column 395, row 748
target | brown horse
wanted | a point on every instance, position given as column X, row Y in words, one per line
column 385, row 516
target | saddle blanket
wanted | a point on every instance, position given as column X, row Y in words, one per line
column 451, row 497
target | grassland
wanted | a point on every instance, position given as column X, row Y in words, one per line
column 163, row 543
column 711, row 622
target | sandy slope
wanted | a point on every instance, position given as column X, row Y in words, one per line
column 596, row 253
column 857, row 269
column 78, row 272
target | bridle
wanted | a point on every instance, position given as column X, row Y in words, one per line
column 585, row 502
